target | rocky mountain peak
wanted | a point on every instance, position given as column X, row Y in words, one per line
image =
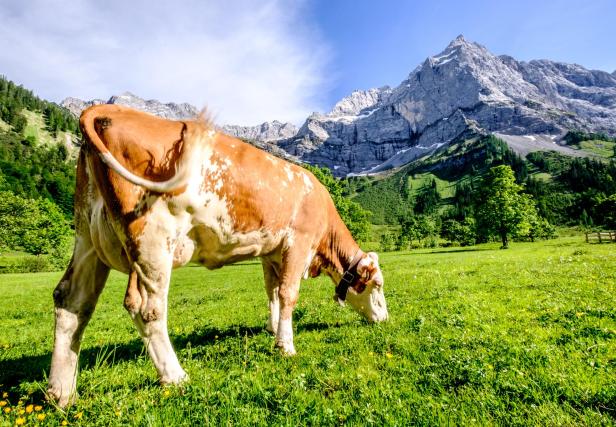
column 358, row 101
column 463, row 89
column 265, row 132
column 168, row 110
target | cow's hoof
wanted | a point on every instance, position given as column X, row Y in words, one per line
column 286, row 349
column 177, row 379
column 62, row 400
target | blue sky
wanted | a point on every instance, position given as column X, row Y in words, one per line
column 379, row 42
column 252, row 61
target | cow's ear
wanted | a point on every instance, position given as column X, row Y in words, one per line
column 367, row 267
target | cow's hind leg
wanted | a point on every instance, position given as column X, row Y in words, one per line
column 271, row 288
column 146, row 302
column 75, row 298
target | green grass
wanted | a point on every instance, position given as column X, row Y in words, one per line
column 599, row 148
column 445, row 188
column 477, row 335
column 4, row 126
column 36, row 127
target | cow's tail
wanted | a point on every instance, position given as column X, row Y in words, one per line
column 183, row 168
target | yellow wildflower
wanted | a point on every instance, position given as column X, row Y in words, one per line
column 7, row 410
column 371, row 353
column 5, row 395
column 40, row 417
column 21, row 412
column 29, row 408
column 64, row 422
column 20, row 421
column 38, row 408
column 118, row 413
column 166, row 393
column 78, row 415
column 389, row 355
column 3, row 403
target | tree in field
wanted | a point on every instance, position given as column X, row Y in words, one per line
column 502, row 209
column 353, row 215
column 387, row 241
column 606, row 211
column 462, row 232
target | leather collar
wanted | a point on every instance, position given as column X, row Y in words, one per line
column 349, row 277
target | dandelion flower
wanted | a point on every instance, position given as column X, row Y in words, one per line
column 166, row 393
column 7, row 410
column 21, row 412
column 38, row 408
column 64, row 422
column 29, row 408
column 3, row 403
column 40, row 417
column 389, row 355
column 20, row 421
column 118, row 413
column 78, row 415
column 5, row 395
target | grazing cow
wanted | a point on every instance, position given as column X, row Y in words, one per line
column 154, row 194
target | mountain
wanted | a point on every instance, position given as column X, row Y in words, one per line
column 169, row 110
column 265, row 132
column 463, row 89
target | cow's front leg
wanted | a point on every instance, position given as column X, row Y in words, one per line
column 293, row 264
column 271, row 288
column 146, row 301
column 75, row 298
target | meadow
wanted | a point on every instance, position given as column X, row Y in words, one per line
column 525, row 336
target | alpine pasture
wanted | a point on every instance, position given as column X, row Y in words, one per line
column 476, row 336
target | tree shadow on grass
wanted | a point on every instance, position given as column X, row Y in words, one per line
column 36, row 368
column 453, row 251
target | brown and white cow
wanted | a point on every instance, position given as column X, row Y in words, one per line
column 154, row 194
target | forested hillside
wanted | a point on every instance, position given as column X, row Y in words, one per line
column 37, row 179
column 441, row 195
column 28, row 167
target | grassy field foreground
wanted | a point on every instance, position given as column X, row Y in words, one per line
column 477, row 336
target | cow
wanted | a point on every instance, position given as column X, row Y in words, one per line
column 155, row 194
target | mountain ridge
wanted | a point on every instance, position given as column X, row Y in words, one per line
column 463, row 87
column 463, row 90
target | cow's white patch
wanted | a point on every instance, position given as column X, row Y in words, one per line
column 289, row 172
column 284, row 337
column 309, row 259
column 307, row 182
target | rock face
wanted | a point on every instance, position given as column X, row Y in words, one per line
column 265, row 132
column 465, row 87
column 169, row 110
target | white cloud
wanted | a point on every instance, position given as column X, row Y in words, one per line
column 248, row 61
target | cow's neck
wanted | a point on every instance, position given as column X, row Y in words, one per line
column 338, row 248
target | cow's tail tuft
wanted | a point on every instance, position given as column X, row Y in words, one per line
column 191, row 138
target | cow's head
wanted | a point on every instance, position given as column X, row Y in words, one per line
column 365, row 293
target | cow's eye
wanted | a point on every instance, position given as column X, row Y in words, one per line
column 359, row 287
